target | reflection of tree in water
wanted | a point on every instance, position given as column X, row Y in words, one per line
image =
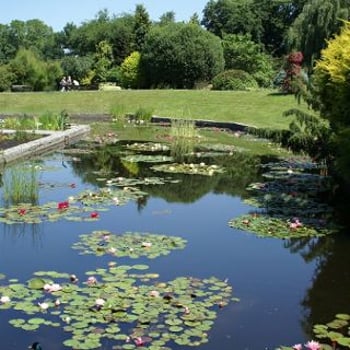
column 329, row 292
column 240, row 170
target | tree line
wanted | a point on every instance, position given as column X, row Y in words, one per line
column 236, row 44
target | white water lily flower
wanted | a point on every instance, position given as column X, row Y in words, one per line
column 71, row 199
column 57, row 302
column 5, row 299
column 100, row 302
column 154, row 293
column 43, row 306
column 112, row 250
column 202, row 164
column 146, row 244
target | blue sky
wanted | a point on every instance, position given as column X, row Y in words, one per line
column 56, row 13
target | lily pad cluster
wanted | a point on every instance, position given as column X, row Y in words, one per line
column 335, row 331
column 148, row 147
column 130, row 244
column 289, row 203
column 84, row 206
column 190, row 168
column 267, row 226
column 119, row 304
column 126, row 182
column 144, row 158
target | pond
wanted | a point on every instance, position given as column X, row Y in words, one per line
column 284, row 286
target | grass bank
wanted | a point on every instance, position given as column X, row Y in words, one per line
column 262, row 108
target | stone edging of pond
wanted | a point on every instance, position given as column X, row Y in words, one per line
column 53, row 141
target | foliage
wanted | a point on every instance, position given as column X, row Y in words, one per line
column 240, row 52
column 265, row 21
column 331, row 92
column 142, row 25
column 294, row 75
column 318, row 22
column 234, row 79
column 29, row 69
column 103, row 61
column 6, row 78
column 179, row 55
column 130, row 71
column 143, row 114
column 76, row 66
column 310, row 134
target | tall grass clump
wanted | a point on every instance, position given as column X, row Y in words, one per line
column 183, row 134
column 20, row 184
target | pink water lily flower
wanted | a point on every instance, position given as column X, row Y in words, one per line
column 91, row 281
column 313, row 345
column 297, row 347
column 52, row 287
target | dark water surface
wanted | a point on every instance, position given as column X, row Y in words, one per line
column 284, row 286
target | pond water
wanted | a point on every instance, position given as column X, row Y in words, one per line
column 284, row 286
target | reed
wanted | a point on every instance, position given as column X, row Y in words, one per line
column 20, row 184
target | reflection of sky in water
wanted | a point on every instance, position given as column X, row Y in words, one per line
column 270, row 281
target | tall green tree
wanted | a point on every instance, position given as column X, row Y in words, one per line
column 318, row 22
column 179, row 55
column 266, row 21
column 142, row 24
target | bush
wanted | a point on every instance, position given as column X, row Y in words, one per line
column 234, row 79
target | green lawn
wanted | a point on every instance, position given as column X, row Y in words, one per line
column 262, row 108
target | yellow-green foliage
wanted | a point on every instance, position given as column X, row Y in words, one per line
column 335, row 59
column 130, row 70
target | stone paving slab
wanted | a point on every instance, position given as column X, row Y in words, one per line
column 52, row 142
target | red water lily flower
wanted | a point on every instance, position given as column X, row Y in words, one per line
column 94, row 215
column 63, row 205
column 22, row 211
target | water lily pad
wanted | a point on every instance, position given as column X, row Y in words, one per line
column 132, row 244
column 192, row 169
column 116, row 300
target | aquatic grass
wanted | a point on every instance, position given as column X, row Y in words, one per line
column 20, row 184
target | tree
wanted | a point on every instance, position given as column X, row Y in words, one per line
column 77, row 67
column 130, row 70
column 33, row 35
column 266, row 21
column 318, row 22
column 179, row 55
column 167, row 18
column 331, row 95
column 240, row 52
column 29, row 69
column 231, row 17
column 103, row 61
column 142, row 25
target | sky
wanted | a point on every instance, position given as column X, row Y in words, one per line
column 56, row 13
